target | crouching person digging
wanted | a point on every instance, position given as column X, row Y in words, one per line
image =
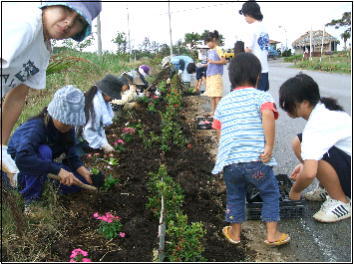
column 41, row 139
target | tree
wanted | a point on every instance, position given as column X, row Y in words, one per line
column 121, row 41
column 146, row 44
column 346, row 22
column 345, row 36
column 85, row 43
column 192, row 39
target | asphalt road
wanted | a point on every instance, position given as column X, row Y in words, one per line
column 311, row 241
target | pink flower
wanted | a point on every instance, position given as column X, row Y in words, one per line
column 119, row 141
column 79, row 251
column 122, row 234
column 72, row 260
column 128, row 130
column 95, row 215
column 86, row 260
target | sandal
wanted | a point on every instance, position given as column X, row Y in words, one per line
column 226, row 231
column 284, row 239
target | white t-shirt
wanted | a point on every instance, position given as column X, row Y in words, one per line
column 25, row 55
column 257, row 39
column 324, row 129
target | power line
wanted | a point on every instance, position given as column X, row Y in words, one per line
column 196, row 8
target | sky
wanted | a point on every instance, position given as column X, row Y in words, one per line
column 283, row 20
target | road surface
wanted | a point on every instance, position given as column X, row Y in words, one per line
column 311, row 241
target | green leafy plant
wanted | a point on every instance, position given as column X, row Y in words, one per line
column 184, row 241
column 95, row 171
column 112, row 161
column 160, row 184
column 109, row 182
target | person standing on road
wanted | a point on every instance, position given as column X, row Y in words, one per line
column 245, row 121
column 257, row 40
column 26, row 52
column 323, row 148
column 215, row 70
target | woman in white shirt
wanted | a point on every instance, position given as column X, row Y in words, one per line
column 324, row 147
column 257, row 39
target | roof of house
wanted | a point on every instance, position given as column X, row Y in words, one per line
column 304, row 40
column 274, row 42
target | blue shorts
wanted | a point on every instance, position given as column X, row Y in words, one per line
column 340, row 161
column 263, row 82
column 237, row 176
column 201, row 72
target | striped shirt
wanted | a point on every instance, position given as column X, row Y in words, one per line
column 239, row 117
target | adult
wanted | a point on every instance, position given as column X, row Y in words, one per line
column 257, row 39
column 50, row 135
column 182, row 64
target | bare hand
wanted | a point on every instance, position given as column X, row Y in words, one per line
column 297, row 171
column 67, row 178
column 295, row 196
column 85, row 173
column 267, row 154
column 210, row 61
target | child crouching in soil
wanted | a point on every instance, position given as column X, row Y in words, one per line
column 245, row 120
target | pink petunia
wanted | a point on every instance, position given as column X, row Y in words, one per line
column 95, row 215
column 78, row 251
column 86, row 260
column 120, row 141
column 72, row 260
column 122, row 234
column 128, row 130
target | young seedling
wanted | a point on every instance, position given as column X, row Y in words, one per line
column 109, row 182
column 112, row 161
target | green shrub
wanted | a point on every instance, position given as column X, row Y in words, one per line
column 184, row 241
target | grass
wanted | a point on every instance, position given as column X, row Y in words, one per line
column 40, row 233
column 83, row 74
column 337, row 63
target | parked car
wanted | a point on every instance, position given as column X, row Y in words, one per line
column 272, row 53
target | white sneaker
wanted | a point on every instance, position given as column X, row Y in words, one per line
column 319, row 194
column 333, row 211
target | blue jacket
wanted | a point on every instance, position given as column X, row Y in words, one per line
column 24, row 144
column 180, row 63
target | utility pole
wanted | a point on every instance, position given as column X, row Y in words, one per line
column 323, row 34
column 169, row 20
column 129, row 46
column 99, row 38
column 311, row 44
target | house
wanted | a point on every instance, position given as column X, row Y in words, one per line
column 274, row 43
column 302, row 44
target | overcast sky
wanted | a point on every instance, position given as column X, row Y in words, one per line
column 151, row 20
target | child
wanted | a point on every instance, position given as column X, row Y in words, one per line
column 239, row 47
column 37, row 142
column 324, row 148
column 245, row 120
column 215, row 70
column 99, row 112
column 26, row 52
column 257, row 40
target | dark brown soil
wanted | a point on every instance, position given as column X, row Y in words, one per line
column 190, row 167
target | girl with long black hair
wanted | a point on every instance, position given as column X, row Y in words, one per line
column 323, row 148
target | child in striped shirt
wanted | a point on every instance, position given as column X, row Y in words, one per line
column 245, row 120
